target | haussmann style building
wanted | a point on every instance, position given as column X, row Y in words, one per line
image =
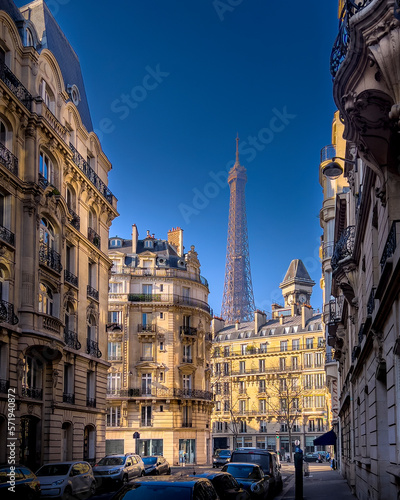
column 159, row 395
column 55, row 212
column 269, row 375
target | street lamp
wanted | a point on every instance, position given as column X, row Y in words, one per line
column 333, row 169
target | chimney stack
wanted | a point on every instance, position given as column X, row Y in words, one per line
column 281, row 319
column 260, row 318
column 135, row 235
column 237, row 325
column 175, row 238
column 306, row 314
column 216, row 325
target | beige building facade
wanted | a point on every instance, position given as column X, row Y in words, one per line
column 269, row 375
column 159, row 345
column 55, row 212
column 365, row 331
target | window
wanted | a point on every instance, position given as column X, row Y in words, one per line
column 115, row 287
column 187, row 353
column 161, row 314
column 308, row 360
column 46, row 234
column 295, row 403
column 226, row 388
column 45, row 299
column 161, row 377
column 295, row 383
column 284, row 345
column 261, row 386
column 295, row 345
column 321, row 342
column 284, row 428
column 283, row 404
column 311, row 426
column 226, row 406
column 91, row 329
column 263, row 426
column 148, row 244
column 319, row 401
column 113, row 383
column 114, row 416
column 261, row 365
column 46, row 169
column 309, row 343
column 243, row 348
column 187, row 382
column 48, row 96
column 32, row 374
column 242, row 387
column 320, row 424
column 146, row 416
column 185, row 292
column 217, row 367
column 319, row 359
column 69, row 379
column 308, row 402
column 147, row 289
column 242, row 406
column 226, row 351
column 296, row 426
column 262, row 405
column 161, row 346
column 243, row 426
column 217, row 388
column 147, row 351
column 263, row 347
column 242, row 367
column 308, row 381
column 295, row 363
column 114, row 351
column 187, row 416
column 115, row 317
column 282, row 384
column 218, row 406
column 282, row 364
column 319, row 380
column 91, row 387
column 146, row 383
column 226, row 368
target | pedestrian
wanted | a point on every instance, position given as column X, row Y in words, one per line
column 328, row 456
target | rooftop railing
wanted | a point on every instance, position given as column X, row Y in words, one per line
column 161, row 272
column 170, row 298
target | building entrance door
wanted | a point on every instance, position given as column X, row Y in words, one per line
column 30, row 442
column 187, row 451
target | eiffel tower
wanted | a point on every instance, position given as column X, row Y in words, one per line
column 238, row 298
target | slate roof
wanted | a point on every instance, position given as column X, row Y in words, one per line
column 12, row 10
column 297, row 272
column 53, row 39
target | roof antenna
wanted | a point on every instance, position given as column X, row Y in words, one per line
column 237, row 149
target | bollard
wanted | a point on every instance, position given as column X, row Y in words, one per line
column 298, row 466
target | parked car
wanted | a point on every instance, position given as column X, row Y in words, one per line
column 312, row 457
column 26, row 486
column 226, row 486
column 221, row 457
column 251, row 477
column 267, row 460
column 116, row 470
column 156, row 465
column 66, row 479
column 167, row 488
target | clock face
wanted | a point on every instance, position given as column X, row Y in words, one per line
column 302, row 298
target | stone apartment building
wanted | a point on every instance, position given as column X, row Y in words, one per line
column 365, row 326
column 269, row 375
column 55, row 213
column 159, row 345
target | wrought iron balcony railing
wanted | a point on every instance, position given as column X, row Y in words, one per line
column 361, row 333
column 70, row 278
column 7, row 236
column 69, row 398
column 4, row 385
column 32, row 392
column 71, row 339
column 8, row 160
column 92, row 348
column 170, row 298
column 344, row 247
column 76, row 221
column 146, row 328
column 187, row 359
column 93, row 237
column 91, row 402
column 371, row 302
column 163, row 392
column 115, row 357
column 7, row 313
column 188, row 330
column 83, row 165
column 92, row 292
column 390, row 245
column 15, row 86
column 50, row 258
column 335, row 309
column 341, row 45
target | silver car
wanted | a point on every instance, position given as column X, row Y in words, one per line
column 118, row 469
column 66, row 479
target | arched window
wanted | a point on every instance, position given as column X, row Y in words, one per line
column 92, row 219
column 47, row 234
column 29, row 38
column 3, row 286
column 91, row 328
column 46, row 170
column 48, row 96
column 69, row 318
column 32, row 375
column 3, row 133
column 46, row 300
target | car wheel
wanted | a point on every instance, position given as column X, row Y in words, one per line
column 67, row 493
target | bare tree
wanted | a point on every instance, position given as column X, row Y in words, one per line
column 285, row 401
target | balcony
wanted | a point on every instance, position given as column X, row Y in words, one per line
column 146, row 328
column 16, row 87
column 146, row 358
column 171, row 299
column 8, row 160
column 92, row 292
column 50, row 258
column 188, row 330
column 371, row 302
column 70, row 278
column 4, row 386
column 390, row 245
column 32, row 392
column 87, row 170
column 162, row 392
column 7, row 313
column 93, row 237
column 76, row 221
column 341, row 44
column 92, row 348
column 71, row 339
column 91, row 402
column 69, row 398
column 344, row 247
column 43, row 182
column 7, row 236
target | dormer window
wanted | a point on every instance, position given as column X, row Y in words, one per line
column 29, row 38
column 148, row 244
column 116, row 243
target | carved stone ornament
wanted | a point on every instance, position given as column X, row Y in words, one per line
column 92, row 310
column 54, row 376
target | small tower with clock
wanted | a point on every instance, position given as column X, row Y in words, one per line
column 297, row 285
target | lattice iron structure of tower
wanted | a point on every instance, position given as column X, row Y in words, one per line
column 238, row 298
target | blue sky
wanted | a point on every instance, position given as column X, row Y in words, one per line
column 171, row 83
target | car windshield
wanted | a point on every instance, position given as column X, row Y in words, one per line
column 149, row 460
column 254, row 458
column 112, row 461
column 243, row 471
column 54, row 470
column 153, row 490
column 224, row 453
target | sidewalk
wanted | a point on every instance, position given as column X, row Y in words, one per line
column 323, row 483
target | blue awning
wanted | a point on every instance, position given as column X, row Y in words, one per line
column 326, row 439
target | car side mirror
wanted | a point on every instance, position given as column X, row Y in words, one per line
column 74, row 472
